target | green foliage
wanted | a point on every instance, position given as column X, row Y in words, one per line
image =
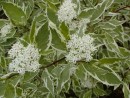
column 10, row 91
column 32, row 32
column 36, row 22
column 105, row 76
column 11, row 9
column 56, row 41
column 43, row 37
column 126, row 90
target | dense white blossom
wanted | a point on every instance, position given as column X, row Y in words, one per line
column 5, row 30
column 24, row 58
column 67, row 11
column 80, row 48
column 16, row 49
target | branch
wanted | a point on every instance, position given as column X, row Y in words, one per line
column 121, row 8
column 10, row 75
column 53, row 63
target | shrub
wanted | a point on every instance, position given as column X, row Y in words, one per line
column 64, row 48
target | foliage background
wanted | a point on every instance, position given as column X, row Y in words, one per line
column 108, row 71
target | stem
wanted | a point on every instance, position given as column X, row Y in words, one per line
column 53, row 63
column 121, row 8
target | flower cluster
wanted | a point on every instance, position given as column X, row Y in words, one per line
column 5, row 30
column 67, row 11
column 80, row 48
column 24, row 58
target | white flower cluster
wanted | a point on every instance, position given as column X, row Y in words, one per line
column 67, row 11
column 5, row 30
column 24, row 58
column 80, row 48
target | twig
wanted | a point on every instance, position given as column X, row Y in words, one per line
column 53, row 63
column 43, row 67
column 121, row 8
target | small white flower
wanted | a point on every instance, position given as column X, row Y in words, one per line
column 67, row 11
column 88, row 81
column 80, row 48
column 5, row 30
column 16, row 49
column 73, row 69
column 77, row 24
column 24, row 58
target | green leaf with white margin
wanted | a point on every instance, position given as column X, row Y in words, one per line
column 43, row 38
column 126, row 90
column 52, row 15
column 99, row 10
column 57, row 71
column 19, row 91
column 56, row 41
column 124, row 52
column 107, row 26
column 3, row 62
column 64, row 30
column 110, row 60
column 115, row 22
column 78, row 8
column 2, row 87
column 10, row 91
column 53, row 26
column 104, row 76
column 29, row 7
column 32, row 32
column 65, row 76
column 67, row 86
column 28, row 76
column 111, row 24
column 88, row 94
column 99, row 92
column 80, row 73
column 14, row 13
column 26, row 5
column 52, row 5
column 28, row 85
column 48, row 82
column 16, row 80
column 87, row 13
column 111, row 44
column 3, row 22
column 49, row 95
column 109, row 3
column 53, row 1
